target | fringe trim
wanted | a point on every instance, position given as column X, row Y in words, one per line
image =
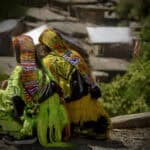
column 51, row 121
column 85, row 109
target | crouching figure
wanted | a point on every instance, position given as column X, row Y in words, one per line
column 31, row 106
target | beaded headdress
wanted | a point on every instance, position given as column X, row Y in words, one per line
column 28, row 62
column 54, row 41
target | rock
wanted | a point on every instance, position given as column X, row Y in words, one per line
column 43, row 14
column 108, row 64
column 9, row 28
column 12, row 26
column 75, row 29
column 139, row 120
column 3, row 146
column 7, row 64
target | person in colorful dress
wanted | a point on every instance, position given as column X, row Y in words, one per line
column 31, row 103
column 80, row 88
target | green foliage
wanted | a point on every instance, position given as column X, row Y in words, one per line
column 133, row 9
column 11, row 8
column 145, row 40
column 124, row 8
column 145, row 33
column 131, row 93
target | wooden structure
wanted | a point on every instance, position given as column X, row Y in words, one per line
column 111, row 66
column 111, row 41
column 89, row 13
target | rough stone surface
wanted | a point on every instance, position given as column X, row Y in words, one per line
column 9, row 28
column 108, row 64
column 132, row 121
column 7, row 64
column 3, row 146
column 43, row 14
column 12, row 26
column 70, row 28
column 135, row 139
column 47, row 14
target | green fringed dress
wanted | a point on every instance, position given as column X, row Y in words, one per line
column 50, row 117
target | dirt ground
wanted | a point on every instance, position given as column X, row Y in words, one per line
column 121, row 139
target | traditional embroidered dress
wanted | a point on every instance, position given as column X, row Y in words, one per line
column 61, row 70
column 60, row 48
column 27, row 81
column 84, row 109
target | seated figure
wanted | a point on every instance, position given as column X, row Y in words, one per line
column 31, row 103
column 80, row 89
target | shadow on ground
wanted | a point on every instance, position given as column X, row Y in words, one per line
column 80, row 144
column 121, row 139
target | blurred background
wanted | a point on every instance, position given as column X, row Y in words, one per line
column 113, row 36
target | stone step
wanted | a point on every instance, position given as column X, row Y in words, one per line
column 139, row 120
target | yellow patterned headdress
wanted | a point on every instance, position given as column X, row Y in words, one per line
column 53, row 40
